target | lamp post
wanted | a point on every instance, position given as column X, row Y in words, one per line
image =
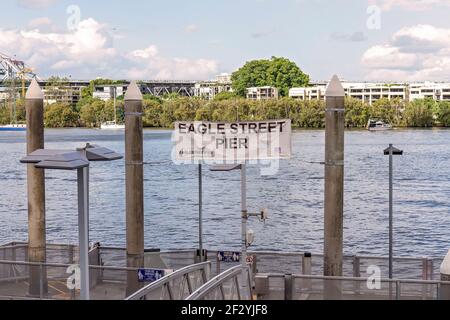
column 76, row 160
column 391, row 152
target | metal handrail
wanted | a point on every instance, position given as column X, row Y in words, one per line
column 318, row 277
column 218, row 281
column 205, row 267
column 59, row 265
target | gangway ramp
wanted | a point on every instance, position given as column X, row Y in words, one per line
column 233, row 284
column 177, row 285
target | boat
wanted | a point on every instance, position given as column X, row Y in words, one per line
column 14, row 127
column 112, row 125
column 374, row 125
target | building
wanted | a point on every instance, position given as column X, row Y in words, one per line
column 262, row 93
column 209, row 89
column 310, row 93
column 108, row 91
column 431, row 90
column 66, row 92
column 367, row 92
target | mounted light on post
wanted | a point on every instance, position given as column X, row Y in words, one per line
column 76, row 160
column 391, row 152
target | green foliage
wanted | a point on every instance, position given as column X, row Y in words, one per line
column 225, row 96
column 419, row 113
column 152, row 98
column 443, row 113
column 277, row 72
column 59, row 115
column 5, row 115
column 94, row 114
column 357, row 113
column 390, row 111
column 304, row 114
column 152, row 112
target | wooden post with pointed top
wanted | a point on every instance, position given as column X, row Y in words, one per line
column 34, row 105
column 134, row 184
column 334, row 186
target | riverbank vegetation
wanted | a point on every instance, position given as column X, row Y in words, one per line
column 162, row 113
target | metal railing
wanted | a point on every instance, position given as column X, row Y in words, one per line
column 55, row 277
column 308, row 287
column 178, row 281
column 216, row 288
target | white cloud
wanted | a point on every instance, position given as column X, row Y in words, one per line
column 416, row 5
column 36, row 4
column 420, row 52
column 89, row 52
column 149, row 64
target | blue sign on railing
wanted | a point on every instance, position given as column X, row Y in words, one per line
column 228, row 256
column 150, row 275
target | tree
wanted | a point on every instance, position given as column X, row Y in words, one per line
column 152, row 112
column 419, row 113
column 225, row 96
column 93, row 114
column 443, row 113
column 276, row 72
column 60, row 115
column 388, row 110
column 357, row 113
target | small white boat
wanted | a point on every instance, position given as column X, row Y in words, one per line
column 378, row 126
column 14, row 127
column 112, row 125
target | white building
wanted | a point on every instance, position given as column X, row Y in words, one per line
column 107, row 92
column 367, row 92
column 310, row 93
column 262, row 93
column 436, row 91
column 371, row 92
column 209, row 89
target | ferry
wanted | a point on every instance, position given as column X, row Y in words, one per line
column 378, row 126
column 14, row 127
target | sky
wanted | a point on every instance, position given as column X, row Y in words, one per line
column 360, row 40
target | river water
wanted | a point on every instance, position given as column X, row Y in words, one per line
column 294, row 196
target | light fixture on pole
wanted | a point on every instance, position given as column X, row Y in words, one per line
column 391, row 152
column 76, row 160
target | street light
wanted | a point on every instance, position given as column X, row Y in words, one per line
column 76, row 160
column 391, row 152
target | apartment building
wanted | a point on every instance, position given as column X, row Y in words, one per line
column 367, row 92
column 69, row 92
column 107, row 92
column 262, row 93
column 436, row 91
column 209, row 89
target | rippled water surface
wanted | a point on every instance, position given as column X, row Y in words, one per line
column 294, row 196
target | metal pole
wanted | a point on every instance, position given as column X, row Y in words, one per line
column 244, row 225
column 115, row 111
column 244, row 213
column 334, row 186
column 200, row 212
column 391, row 217
column 134, row 184
column 34, row 104
column 83, row 230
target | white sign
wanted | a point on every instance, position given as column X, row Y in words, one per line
column 235, row 142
